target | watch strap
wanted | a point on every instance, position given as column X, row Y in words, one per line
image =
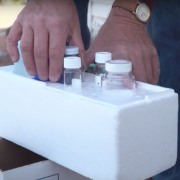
column 126, row 4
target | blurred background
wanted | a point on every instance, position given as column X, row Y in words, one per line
column 9, row 10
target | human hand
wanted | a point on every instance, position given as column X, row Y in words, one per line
column 44, row 26
column 127, row 39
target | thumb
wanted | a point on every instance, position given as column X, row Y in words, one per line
column 89, row 57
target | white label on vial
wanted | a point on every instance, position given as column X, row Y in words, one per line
column 98, row 80
column 76, row 84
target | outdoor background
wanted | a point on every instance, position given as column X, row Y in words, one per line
column 9, row 9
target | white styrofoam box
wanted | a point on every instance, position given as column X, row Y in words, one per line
column 99, row 137
column 17, row 163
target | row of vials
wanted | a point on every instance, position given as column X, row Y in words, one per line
column 110, row 75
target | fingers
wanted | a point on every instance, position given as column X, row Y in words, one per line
column 90, row 53
column 148, row 68
column 138, row 63
column 76, row 40
column 139, row 69
column 89, row 57
column 27, row 46
column 41, row 51
column 151, row 62
column 155, row 68
column 12, row 41
column 57, row 42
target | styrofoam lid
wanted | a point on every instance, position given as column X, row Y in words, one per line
column 119, row 66
column 71, row 50
column 72, row 62
column 102, row 57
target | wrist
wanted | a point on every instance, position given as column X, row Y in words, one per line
column 123, row 16
column 150, row 3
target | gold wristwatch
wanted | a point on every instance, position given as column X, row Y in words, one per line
column 140, row 10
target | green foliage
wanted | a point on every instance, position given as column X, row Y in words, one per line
column 21, row 1
column 13, row 1
column 16, row 0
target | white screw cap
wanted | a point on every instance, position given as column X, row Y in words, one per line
column 72, row 62
column 71, row 50
column 102, row 57
column 119, row 66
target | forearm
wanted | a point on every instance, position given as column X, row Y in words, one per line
column 134, row 9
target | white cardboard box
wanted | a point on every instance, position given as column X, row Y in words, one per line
column 17, row 163
column 97, row 137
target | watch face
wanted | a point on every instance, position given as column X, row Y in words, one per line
column 143, row 12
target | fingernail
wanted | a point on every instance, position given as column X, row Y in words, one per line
column 54, row 78
column 31, row 73
column 14, row 59
column 43, row 77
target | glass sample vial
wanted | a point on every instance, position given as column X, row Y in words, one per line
column 72, row 73
column 100, row 59
column 74, row 51
column 118, row 81
column 71, row 51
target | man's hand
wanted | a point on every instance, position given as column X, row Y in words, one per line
column 127, row 39
column 43, row 27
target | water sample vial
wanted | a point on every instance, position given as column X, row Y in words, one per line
column 100, row 59
column 72, row 73
column 71, row 51
column 74, row 51
column 118, row 81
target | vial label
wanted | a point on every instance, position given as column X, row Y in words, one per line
column 98, row 79
column 76, row 84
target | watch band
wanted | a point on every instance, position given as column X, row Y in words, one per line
column 126, row 4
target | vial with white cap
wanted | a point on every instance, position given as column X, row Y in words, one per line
column 72, row 72
column 118, row 80
column 74, row 51
column 70, row 51
column 100, row 59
